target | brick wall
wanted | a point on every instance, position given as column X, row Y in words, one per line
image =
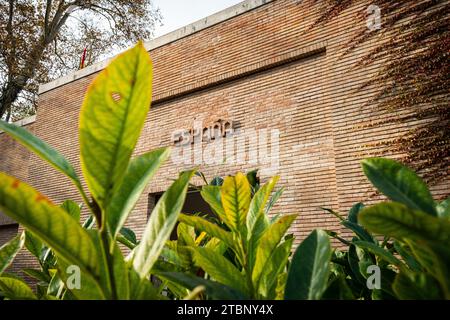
column 263, row 69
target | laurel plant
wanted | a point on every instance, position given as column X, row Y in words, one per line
column 111, row 119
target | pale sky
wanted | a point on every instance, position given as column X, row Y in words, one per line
column 178, row 13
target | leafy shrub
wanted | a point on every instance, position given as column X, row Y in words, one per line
column 111, row 119
column 414, row 255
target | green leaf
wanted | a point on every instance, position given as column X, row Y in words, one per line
column 33, row 244
column 9, row 251
column 139, row 173
column 236, row 195
column 48, row 222
column 111, row 119
column 399, row 184
column 16, row 289
column 211, row 194
column 90, row 288
column 274, row 269
column 443, row 209
column 160, row 225
column 129, row 235
column 435, row 258
column 273, row 199
column 42, row 149
column 56, row 286
column 416, row 286
column 405, row 252
column 359, row 231
column 267, row 244
column 213, row 289
column 36, row 274
column 353, row 262
column 258, row 203
column 354, row 211
column 310, row 268
column 398, row 221
column 219, row 268
column 210, row 228
column 72, row 208
column 378, row 251
column 141, row 289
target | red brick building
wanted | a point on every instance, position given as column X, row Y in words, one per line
column 261, row 67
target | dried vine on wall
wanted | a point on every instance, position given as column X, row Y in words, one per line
column 414, row 80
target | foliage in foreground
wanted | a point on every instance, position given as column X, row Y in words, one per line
column 413, row 255
column 242, row 254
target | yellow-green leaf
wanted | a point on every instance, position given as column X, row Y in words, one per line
column 258, row 204
column 48, row 222
column 219, row 268
column 268, row 242
column 160, row 225
column 211, row 194
column 398, row 221
column 16, row 289
column 111, row 119
column 9, row 251
column 41, row 149
column 210, row 228
column 236, row 195
column 140, row 170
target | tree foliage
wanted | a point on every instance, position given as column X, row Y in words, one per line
column 43, row 40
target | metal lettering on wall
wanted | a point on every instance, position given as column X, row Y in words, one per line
column 220, row 128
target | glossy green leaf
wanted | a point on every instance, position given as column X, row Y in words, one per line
column 354, row 211
column 268, row 242
column 378, row 251
column 274, row 269
column 160, row 225
column 36, row 274
column 213, row 289
column 219, row 268
column 90, row 288
column 258, row 204
column 42, row 149
column 111, row 119
column 211, row 194
column 56, row 286
column 273, row 199
column 33, row 244
column 310, row 268
column 399, row 183
column 236, row 196
column 139, row 173
column 359, row 231
column 16, row 289
column 9, row 251
column 210, row 228
column 398, row 221
column 48, row 222
column 72, row 208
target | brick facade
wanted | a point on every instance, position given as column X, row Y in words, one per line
column 262, row 69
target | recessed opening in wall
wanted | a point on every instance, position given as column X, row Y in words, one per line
column 7, row 232
column 193, row 204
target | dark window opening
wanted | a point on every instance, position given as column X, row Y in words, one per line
column 194, row 204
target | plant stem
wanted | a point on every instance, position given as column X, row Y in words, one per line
column 109, row 262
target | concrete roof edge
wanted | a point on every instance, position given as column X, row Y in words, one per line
column 168, row 38
column 23, row 122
